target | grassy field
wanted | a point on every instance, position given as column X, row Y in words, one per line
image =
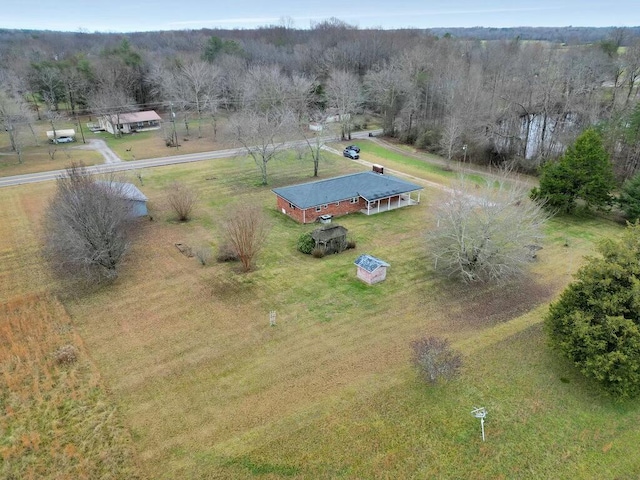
column 38, row 158
column 38, row 151
column 152, row 144
column 207, row 389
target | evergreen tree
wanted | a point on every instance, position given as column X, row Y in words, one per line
column 596, row 321
column 216, row 46
column 630, row 198
column 583, row 173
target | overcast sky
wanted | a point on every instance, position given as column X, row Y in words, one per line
column 145, row 15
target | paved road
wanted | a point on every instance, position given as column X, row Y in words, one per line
column 155, row 162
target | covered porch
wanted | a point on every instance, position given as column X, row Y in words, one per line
column 391, row 203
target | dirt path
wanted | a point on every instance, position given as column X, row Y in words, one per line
column 100, row 146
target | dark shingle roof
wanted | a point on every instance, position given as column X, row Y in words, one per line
column 368, row 185
column 370, row 263
column 324, row 234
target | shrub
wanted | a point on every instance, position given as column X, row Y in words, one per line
column 596, row 321
column 66, row 355
column 435, row 359
column 226, row 253
column 246, row 229
column 427, row 139
column 630, row 198
column 306, row 243
column 351, row 244
column 203, row 254
column 318, row 252
column 182, row 200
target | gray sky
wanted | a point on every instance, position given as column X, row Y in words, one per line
column 145, row 15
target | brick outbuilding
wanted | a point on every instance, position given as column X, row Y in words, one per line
column 371, row 269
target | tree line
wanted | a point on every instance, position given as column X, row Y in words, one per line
column 497, row 101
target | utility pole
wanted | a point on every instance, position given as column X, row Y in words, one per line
column 173, row 120
column 80, row 127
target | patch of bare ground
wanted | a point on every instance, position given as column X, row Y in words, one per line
column 488, row 305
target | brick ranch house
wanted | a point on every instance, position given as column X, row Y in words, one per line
column 365, row 192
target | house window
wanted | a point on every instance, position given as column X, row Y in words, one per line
column 325, row 206
column 354, row 200
column 318, row 208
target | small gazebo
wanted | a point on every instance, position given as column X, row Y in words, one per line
column 331, row 238
column 371, row 269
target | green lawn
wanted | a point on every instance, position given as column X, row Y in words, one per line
column 209, row 390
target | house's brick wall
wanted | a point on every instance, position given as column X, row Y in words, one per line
column 311, row 215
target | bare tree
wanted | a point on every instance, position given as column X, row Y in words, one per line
column 386, row 86
column 631, row 59
column 263, row 135
column 14, row 116
column 182, row 200
column 435, row 359
column 486, row 234
column 87, row 226
column 267, row 89
column 45, row 78
column 245, row 229
column 451, row 133
column 192, row 85
column 314, row 141
column 344, row 95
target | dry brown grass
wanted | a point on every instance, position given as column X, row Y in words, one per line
column 37, row 159
column 36, row 152
column 56, row 420
column 152, row 144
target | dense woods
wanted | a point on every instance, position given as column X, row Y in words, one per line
column 485, row 95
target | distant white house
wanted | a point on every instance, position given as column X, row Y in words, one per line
column 319, row 126
column 62, row 135
column 130, row 122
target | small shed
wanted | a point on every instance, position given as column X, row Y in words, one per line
column 332, row 238
column 136, row 200
column 371, row 269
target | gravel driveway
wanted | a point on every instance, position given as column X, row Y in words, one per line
column 101, row 147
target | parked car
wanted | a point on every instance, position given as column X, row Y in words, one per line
column 355, row 148
column 352, row 154
column 63, row 140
